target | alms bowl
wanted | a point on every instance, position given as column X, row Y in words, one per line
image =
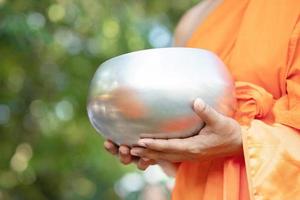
column 152, row 92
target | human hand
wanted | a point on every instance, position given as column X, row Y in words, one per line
column 123, row 152
column 221, row 136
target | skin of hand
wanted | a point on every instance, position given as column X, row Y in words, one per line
column 220, row 137
column 123, row 153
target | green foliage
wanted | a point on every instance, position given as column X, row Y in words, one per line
column 49, row 51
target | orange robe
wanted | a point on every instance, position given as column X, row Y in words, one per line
column 259, row 42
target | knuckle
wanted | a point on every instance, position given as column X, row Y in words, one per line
column 194, row 149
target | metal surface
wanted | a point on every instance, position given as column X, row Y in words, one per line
column 152, row 91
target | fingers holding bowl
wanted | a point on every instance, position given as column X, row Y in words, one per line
column 124, row 155
column 111, row 147
column 122, row 151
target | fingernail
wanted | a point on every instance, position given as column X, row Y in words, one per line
column 124, row 151
column 198, row 103
column 107, row 145
column 144, row 142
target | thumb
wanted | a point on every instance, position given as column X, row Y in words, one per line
column 205, row 112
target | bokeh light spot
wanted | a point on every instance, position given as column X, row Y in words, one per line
column 159, row 36
column 36, row 20
column 48, row 123
column 130, row 182
column 64, row 110
column 69, row 40
column 37, row 108
column 19, row 161
column 111, row 28
column 72, row 12
column 56, row 12
column 85, row 187
column 154, row 175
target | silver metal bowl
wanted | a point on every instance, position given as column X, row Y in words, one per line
column 152, row 91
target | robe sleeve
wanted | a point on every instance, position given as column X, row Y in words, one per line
column 271, row 139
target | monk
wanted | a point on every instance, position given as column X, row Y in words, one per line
column 256, row 154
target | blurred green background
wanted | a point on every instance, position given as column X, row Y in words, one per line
column 49, row 51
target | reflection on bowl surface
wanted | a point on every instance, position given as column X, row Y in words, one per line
column 152, row 91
